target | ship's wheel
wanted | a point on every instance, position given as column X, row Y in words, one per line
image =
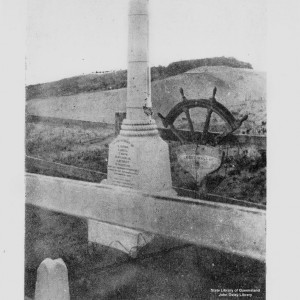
column 199, row 152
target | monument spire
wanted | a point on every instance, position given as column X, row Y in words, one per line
column 139, row 105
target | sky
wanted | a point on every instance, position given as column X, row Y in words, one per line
column 73, row 37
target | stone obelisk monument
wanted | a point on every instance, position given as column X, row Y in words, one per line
column 138, row 157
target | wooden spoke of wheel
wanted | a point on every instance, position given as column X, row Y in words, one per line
column 177, row 133
column 206, row 126
column 222, row 136
column 188, row 116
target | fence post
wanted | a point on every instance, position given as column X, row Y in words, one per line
column 119, row 117
column 52, row 281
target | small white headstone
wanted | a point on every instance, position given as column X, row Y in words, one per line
column 52, row 281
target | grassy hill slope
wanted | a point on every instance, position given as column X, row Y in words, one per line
column 235, row 86
column 241, row 90
column 102, row 81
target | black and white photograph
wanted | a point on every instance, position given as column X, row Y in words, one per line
column 145, row 149
column 148, row 151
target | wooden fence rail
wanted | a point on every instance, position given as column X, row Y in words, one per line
column 226, row 227
column 37, row 165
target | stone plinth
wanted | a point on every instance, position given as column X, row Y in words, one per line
column 140, row 163
column 52, row 281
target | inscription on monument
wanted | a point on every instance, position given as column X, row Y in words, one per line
column 122, row 167
column 198, row 161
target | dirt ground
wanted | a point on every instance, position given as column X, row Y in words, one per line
column 164, row 269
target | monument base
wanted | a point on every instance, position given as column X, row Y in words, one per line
column 122, row 238
column 141, row 163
